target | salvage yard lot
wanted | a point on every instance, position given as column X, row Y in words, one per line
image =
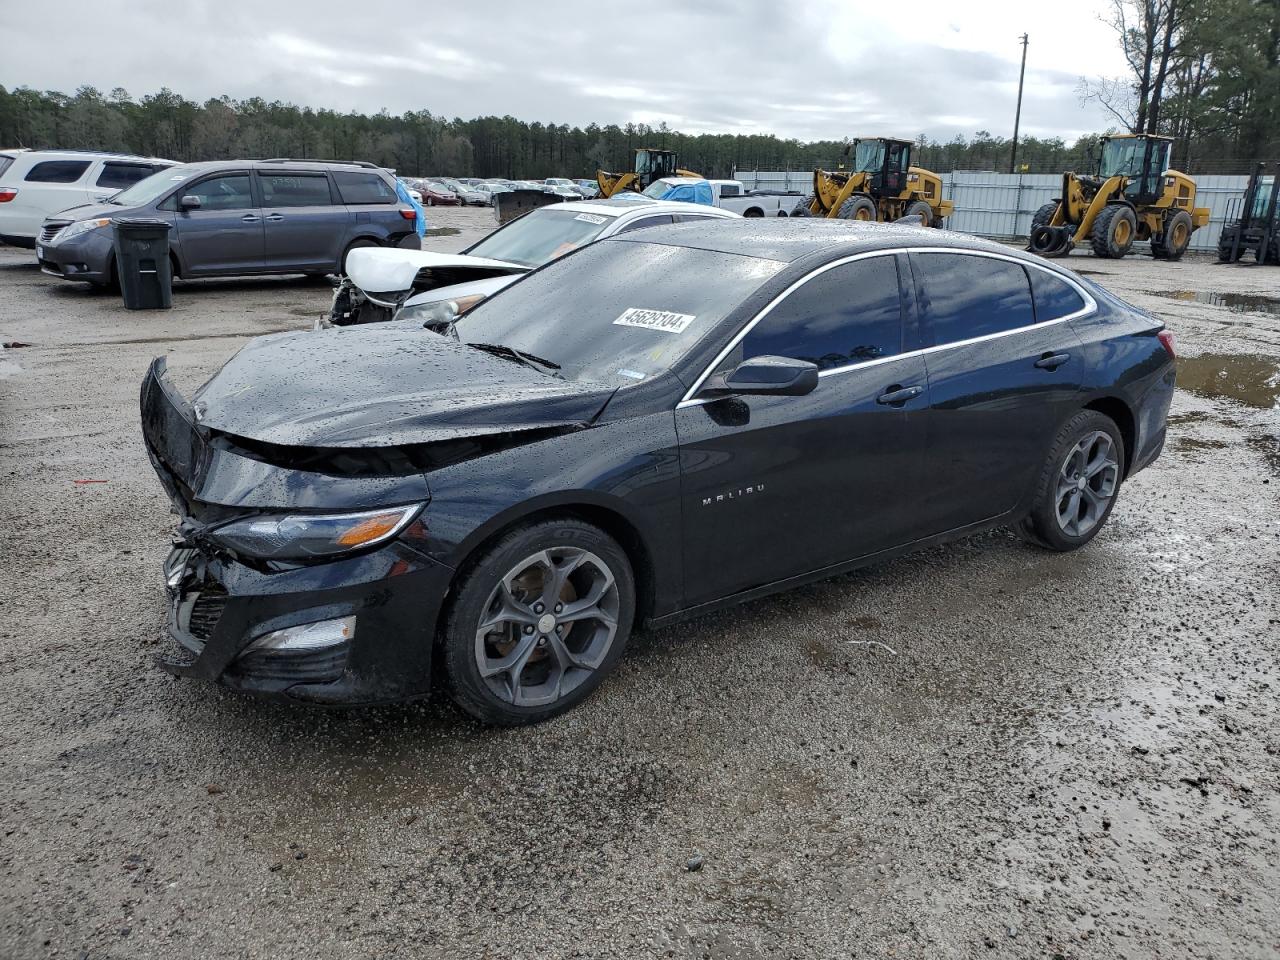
column 979, row 750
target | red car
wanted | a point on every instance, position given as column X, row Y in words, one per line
column 437, row 195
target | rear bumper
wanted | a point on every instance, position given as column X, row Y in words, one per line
column 218, row 607
column 16, row 240
column 1152, row 417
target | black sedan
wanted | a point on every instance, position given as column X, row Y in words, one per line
column 654, row 426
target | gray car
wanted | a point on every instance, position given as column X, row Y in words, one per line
column 237, row 217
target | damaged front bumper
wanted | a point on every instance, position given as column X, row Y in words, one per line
column 226, row 612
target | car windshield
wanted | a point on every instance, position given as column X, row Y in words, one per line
column 617, row 312
column 868, row 157
column 152, row 187
column 1123, row 157
column 658, row 189
column 540, row 236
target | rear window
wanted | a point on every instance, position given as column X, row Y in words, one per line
column 57, row 171
column 117, row 176
column 363, row 188
column 1054, row 297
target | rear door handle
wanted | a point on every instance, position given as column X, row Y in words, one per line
column 897, row 395
column 1052, row 361
column 274, row 218
column 250, row 218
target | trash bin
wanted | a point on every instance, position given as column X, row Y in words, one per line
column 142, row 262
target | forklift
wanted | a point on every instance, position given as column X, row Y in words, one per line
column 1258, row 227
column 882, row 186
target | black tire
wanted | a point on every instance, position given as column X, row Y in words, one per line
column 920, row 210
column 1272, row 253
column 804, row 207
column 1225, row 254
column 477, row 590
column 1044, row 215
column 781, row 213
column 754, row 212
column 1114, row 231
column 1044, row 525
column 1175, row 239
column 858, row 208
column 355, row 245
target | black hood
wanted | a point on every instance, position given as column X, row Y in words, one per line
column 381, row 385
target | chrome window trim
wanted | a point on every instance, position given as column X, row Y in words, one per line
column 1090, row 306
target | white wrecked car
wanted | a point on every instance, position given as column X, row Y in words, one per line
column 385, row 283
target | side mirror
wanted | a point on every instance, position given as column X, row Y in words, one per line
column 767, row 376
column 189, row 202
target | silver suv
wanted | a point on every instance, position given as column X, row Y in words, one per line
column 238, row 217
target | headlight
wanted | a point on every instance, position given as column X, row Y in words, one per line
column 438, row 313
column 298, row 536
column 79, row 227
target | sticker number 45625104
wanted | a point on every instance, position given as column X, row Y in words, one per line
column 662, row 320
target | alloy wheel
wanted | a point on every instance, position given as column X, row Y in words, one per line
column 1086, row 483
column 548, row 624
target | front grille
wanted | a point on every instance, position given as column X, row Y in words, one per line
column 51, row 230
column 207, row 610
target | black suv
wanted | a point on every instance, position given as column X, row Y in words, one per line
column 236, row 217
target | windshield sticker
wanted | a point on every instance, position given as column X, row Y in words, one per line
column 633, row 374
column 590, row 218
column 662, row 320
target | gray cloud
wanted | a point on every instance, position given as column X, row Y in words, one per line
column 747, row 66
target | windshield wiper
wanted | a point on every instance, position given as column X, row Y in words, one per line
column 511, row 353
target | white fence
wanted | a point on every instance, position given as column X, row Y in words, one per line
column 1000, row 205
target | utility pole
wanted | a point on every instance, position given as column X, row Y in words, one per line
column 1017, row 117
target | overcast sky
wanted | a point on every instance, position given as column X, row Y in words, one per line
column 812, row 69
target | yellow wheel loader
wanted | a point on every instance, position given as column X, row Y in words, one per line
column 882, row 186
column 1134, row 196
column 650, row 165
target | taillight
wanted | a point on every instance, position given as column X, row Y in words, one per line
column 1166, row 341
column 409, row 214
column 7, row 194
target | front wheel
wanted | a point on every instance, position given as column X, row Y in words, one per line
column 1078, row 484
column 1114, row 231
column 539, row 619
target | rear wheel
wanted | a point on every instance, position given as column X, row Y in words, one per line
column 1176, row 238
column 804, row 208
column 355, row 245
column 1078, row 484
column 539, row 619
column 921, row 211
column 754, row 212
column 858, row 208
column 1114, row 231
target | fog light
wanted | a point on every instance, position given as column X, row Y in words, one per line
column 307, row 637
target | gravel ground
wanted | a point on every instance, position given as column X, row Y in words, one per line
column 980, row 750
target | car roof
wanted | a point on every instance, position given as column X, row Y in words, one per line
column 80, row 155
column 616, row 207
column 204, row 166
column 789, row 239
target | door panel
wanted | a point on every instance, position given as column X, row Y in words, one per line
column 305, row 229
column 996, row 403
column 774, row 487
column 225, row 234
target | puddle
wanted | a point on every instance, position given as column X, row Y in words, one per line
column 1235, row 302
column 1246, row 379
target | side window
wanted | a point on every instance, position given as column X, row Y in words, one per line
column 849, row 314
column 646, row 222
column 5, row 163
column 363, row 187
column 117, row 175
column 1054, row 297
column 295, row 189
column 965, row 296
column 228, row 192
column 57, row 171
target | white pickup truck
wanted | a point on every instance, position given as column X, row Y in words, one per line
column 727, row 194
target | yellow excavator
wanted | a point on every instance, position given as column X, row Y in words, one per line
column 650, row 165
column 1133, row 196
column 882, row 186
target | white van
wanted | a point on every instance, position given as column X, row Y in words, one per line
column 35, row 184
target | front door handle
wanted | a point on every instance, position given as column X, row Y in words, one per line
column 897, row 395
column 250, row 218
column 1052, row 361
column 274, row 218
